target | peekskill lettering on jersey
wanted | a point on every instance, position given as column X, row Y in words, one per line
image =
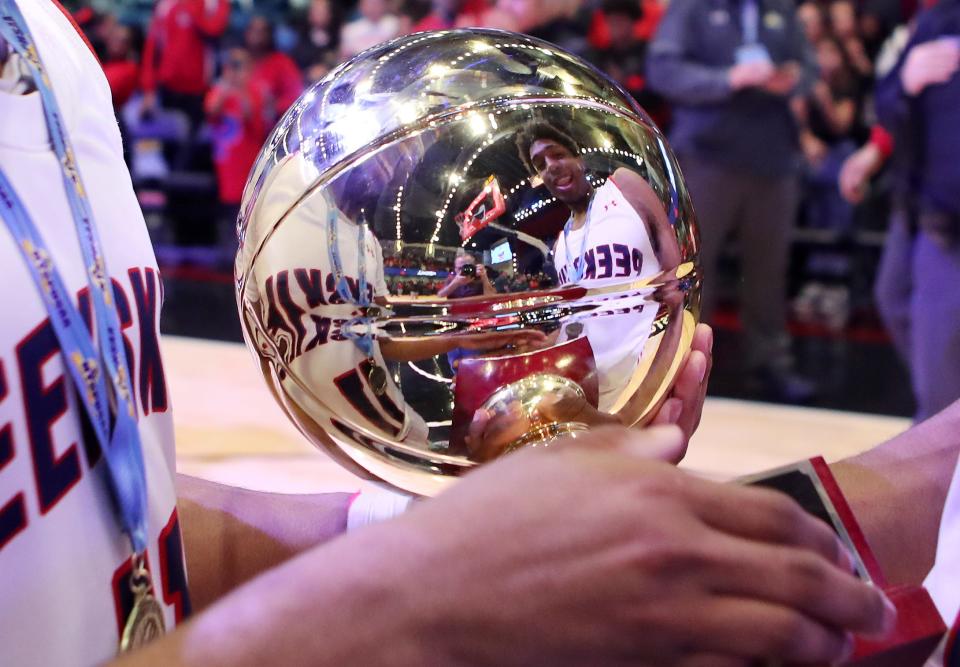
column 45, row 398
column 607, row 260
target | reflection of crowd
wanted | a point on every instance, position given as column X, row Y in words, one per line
column 408, row 260
column 503, row 283
column 413, row 287
column 405, row 273
column 521, row 283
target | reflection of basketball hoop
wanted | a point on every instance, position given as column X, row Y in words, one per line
column 486, row 207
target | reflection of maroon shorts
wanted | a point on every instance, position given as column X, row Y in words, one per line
column 479, row 377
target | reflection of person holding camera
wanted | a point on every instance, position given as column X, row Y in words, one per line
column 469, row 278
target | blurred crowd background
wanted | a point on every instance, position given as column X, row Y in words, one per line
column 198, row 84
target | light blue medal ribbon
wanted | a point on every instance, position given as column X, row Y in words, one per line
column 578, row 269
column 99, row 370
column 376, row 375
column 749, row 21
column 363, row 341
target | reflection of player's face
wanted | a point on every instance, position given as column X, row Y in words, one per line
column 562, row 172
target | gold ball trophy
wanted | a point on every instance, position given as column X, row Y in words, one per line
column 461, row 243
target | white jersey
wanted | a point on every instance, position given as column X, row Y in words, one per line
column 299, row 305
column 615, row 248
column 943, row 582
column 64, row 561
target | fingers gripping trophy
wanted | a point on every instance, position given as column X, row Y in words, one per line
column 485, row 145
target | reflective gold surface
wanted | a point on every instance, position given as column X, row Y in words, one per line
column 431, row 179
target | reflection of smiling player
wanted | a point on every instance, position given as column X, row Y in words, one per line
column 625, row 211
column 617, row 233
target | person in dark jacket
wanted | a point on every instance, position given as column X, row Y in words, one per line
column 916, row 295
column 729, row 67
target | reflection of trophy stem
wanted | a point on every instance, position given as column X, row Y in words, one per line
column 543, row 405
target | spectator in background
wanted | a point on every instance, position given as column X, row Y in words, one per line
column 546, row 19
column 177, row 55
column 828, row 118
column 729, row 71
column 845, row 27
column 96, row 27
column 620, row 53
column 443, row 14
column 562, row 22
column 375, row 24
column 918, row 101
column 274, row 73
column 409, row 13
column 120, row 62
column 515, row 15
column 843, row 19
column 814, row 20
column 643, row 28
column 235, row 108
column 877, row 19
column 319, row 41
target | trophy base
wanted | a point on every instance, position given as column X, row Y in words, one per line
column 546, row 405
column 545, row 434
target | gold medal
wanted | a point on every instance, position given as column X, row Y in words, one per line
column 145, row 622
column 377, row 377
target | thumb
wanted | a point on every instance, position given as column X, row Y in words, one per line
column 660, row 443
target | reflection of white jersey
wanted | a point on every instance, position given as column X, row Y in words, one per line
column 64, row 562
column 615, row 248
column 305, row 316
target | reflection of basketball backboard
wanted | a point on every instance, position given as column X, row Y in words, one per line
column 486, row 207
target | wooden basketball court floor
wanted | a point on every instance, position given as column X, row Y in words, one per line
column 230, row 430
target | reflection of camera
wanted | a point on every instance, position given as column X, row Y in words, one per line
column 469, row 270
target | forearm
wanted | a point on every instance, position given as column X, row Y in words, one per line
column 688, row 83
column 230, row 535
column 414, row 350
column 667, row 244
column 445, row 290
column 897, row 491
column 672, row 67
column 356, row 601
